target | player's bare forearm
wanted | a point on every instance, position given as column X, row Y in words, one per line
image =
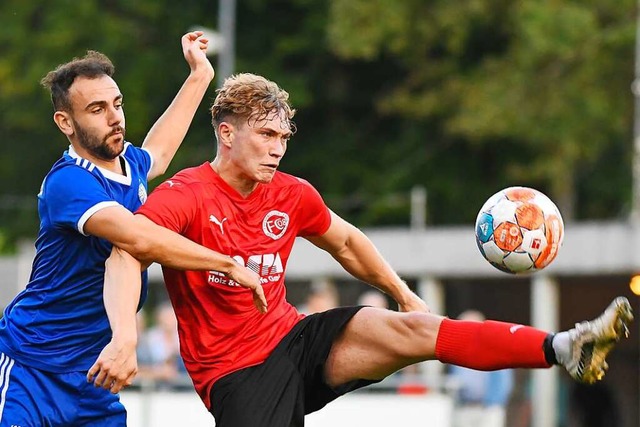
column 122, row 287
column 148, row 242
column 359, row 256
column 117, row 364
column 166, row 135
column 362, row 260
column 175, row 251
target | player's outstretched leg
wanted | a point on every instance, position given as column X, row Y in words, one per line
column 393, row 340
column 494, row 345
column 591, row 341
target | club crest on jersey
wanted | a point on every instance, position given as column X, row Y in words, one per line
column 142, row 193
column 275, row 224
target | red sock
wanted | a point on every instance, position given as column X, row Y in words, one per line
column 490, row 345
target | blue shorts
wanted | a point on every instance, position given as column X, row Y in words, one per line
column 30, row 397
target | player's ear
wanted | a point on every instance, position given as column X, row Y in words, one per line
column 225, row 133
column 64, row 122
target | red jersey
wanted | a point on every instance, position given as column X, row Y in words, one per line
column 220, row 329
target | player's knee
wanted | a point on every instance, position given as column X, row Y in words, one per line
column 417, row 332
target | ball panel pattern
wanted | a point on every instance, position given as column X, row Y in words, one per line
column 519, row 230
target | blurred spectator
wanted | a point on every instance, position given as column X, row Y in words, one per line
column 481, row 397
column 322, row 296
column 159, row 349
column 373, row 298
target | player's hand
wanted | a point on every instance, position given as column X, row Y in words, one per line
column 413, row 302
column 194, row 49
column 116, row 366
column 251, row 280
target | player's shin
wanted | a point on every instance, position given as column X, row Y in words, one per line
column 491, row 345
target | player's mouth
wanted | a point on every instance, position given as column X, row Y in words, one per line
column 271, row 166
column 116, row 140
column 117, row 133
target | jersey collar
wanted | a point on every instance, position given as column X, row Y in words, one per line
column 126, row 180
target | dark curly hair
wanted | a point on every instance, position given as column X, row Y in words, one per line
column 92, row 65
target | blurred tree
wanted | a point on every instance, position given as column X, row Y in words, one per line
column 462, row 96
column 143, row 40
column 543, row 85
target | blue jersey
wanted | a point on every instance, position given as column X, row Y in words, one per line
column 58, row 323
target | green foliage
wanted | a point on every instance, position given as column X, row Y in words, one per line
column 462, row 97
column 140, row 37
column 548, row 92
column 551, row 77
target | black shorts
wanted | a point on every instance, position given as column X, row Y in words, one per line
column 290, row 383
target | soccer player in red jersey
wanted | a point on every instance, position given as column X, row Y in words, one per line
column 269, row 367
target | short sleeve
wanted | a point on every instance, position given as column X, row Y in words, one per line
column 172, row 205
column 71, row 195
column 315, row 216
column 141, row 157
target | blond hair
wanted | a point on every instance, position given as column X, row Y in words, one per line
column 253, row 98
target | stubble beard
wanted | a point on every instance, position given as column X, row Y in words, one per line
column 98, row 147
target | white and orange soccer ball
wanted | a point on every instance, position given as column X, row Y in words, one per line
column 519, row 230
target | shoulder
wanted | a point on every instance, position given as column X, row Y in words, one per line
column 186, row 181
column 70, row 179
column 295, row 185
column 69, row 170
column 189, row 177
column 136, row 154
column 297, row 189
column 282, row 179
column 193, row 174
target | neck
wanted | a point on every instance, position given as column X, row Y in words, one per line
column 236, row 181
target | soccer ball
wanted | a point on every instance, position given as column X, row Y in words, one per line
column 519, row 230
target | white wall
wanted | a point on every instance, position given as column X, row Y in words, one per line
column 167, row 409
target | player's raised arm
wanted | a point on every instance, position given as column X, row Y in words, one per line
column 168, row 132
column 357, row 254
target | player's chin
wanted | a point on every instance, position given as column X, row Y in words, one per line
column 115, row 143
column 266, row 177
column 117, row 148
column 265, row 180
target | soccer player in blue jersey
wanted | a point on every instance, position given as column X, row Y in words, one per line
column 63, row 322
